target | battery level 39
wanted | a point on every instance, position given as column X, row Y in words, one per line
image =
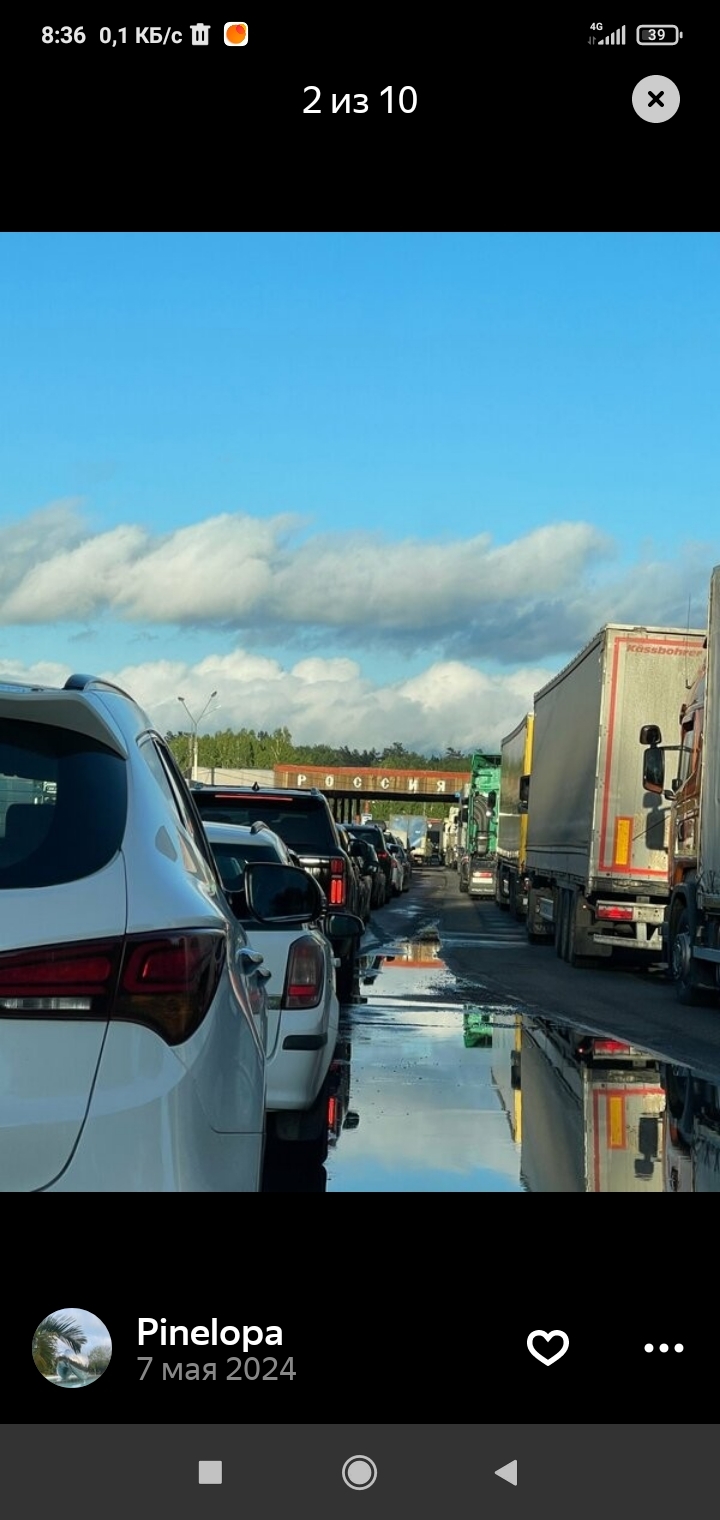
column 658, row 36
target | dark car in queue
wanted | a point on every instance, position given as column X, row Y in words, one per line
column 366, row 856
column 376, row 837
column 476, row 875
column 304, row 821
column 363, row 889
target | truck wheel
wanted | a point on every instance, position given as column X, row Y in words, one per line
column 683, row 969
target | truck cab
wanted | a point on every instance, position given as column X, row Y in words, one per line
column 683, row 850
column 684, row 926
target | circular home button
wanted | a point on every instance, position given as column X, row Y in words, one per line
column 359, row 1472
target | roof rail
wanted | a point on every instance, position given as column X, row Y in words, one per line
column 80, row 682
column 77, row 683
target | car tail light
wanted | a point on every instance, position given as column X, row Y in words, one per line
column 79, row 978
column 305, row 975
column 613, row 910
column 166, row 982
column 169, row 982
column 338, row 886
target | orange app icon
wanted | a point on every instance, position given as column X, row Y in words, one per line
column 236, row 34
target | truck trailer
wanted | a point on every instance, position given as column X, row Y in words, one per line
column 691, row 928
column 597, row 837
column 515, row 764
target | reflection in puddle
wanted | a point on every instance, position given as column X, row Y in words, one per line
column 433, row 1092
column 429, row 1118
column 592, row 1114
column 477, row 1028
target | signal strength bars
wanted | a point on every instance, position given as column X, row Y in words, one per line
column 612, row 37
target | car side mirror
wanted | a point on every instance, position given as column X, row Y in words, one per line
column 344, row 926
column 279, row 894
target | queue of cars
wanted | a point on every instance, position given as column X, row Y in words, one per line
column 170, row 958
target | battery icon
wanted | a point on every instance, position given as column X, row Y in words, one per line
column 658, row 36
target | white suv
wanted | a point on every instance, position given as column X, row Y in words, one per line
column 132, row 1008
column 303, row 1010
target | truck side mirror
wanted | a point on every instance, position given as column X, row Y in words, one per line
column 491, row 800
column 650, row 734
column 523, row 794
column 654, row 769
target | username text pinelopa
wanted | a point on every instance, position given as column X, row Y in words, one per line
column 159, row 1332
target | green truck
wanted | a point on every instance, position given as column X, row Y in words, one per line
column 482, row 808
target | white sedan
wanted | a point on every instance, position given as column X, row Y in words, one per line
column 302, row 1004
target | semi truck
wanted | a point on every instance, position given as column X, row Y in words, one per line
column 691, row 926
column 597, row 838
column 592, row 1114
column 482, row 821
column 515, row 764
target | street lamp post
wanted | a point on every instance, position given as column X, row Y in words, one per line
column 195, row 723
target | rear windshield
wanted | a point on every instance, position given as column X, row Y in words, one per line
column 375, row 837
column 63, row 805
column 304, row 825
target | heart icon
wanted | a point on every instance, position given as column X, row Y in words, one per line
column 547, row 1335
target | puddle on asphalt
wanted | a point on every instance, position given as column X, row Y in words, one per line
column 437, row 1093
column 428, row 1115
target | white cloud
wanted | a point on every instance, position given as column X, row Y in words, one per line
column 542, row 594
column 324, row 701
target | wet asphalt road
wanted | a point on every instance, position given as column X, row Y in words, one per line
column 425, row 1098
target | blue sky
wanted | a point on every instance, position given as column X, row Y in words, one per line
column 373, row 486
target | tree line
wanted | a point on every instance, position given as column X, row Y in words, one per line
column 248, row 748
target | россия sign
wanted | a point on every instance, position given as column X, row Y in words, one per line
column 367, row 779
